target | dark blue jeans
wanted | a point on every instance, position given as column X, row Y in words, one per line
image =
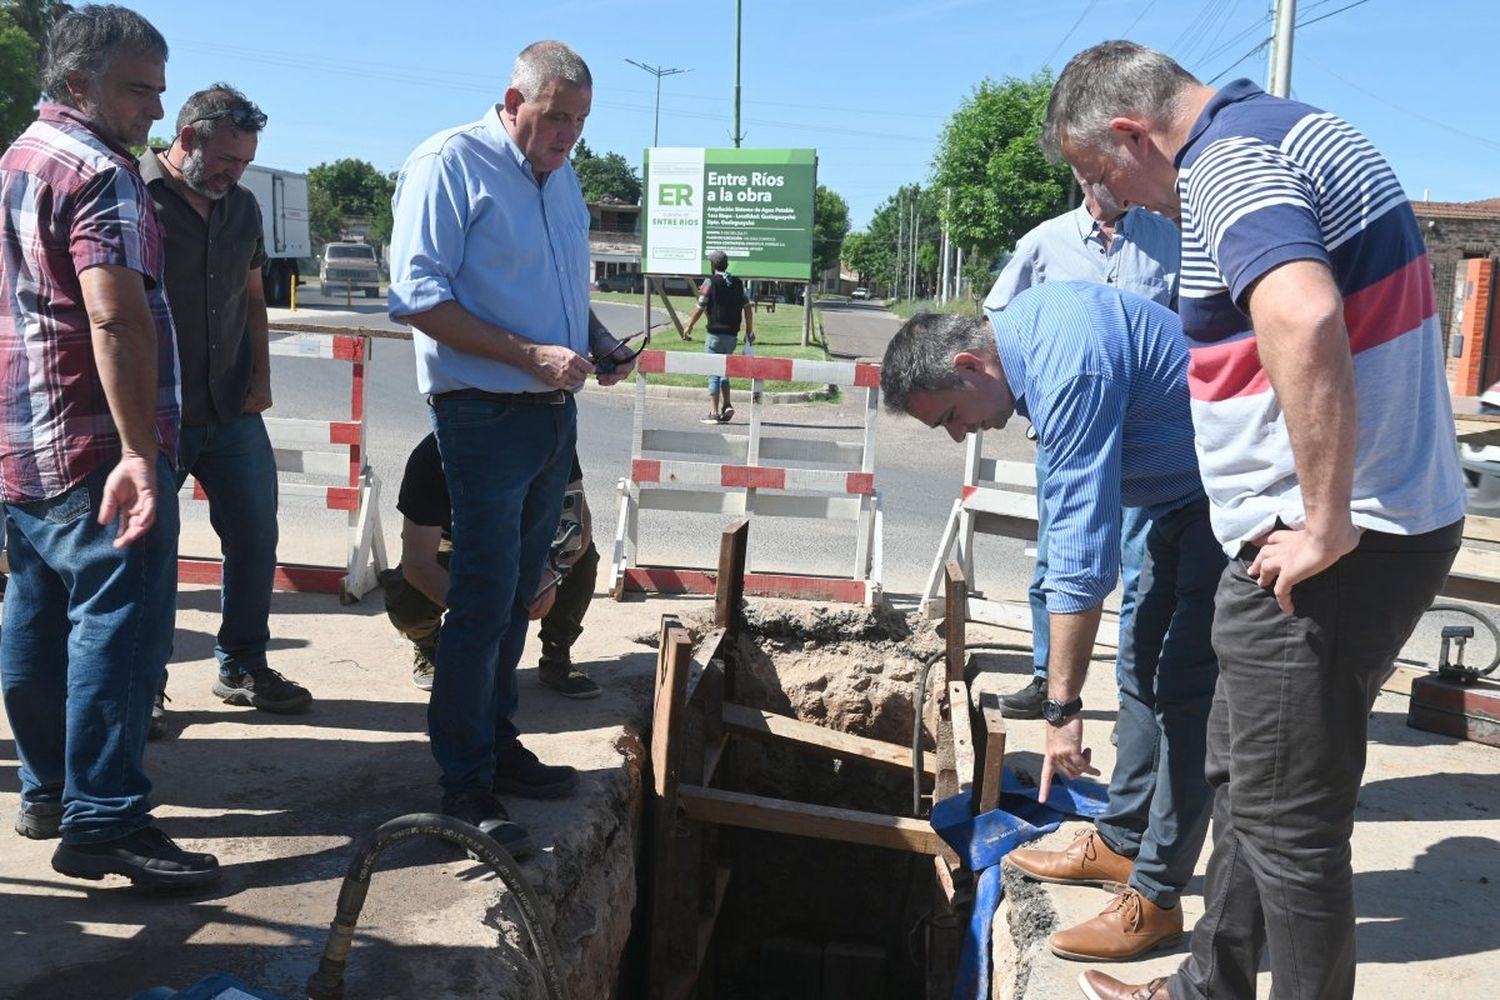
column 1159, row 799
column 87, row 632
column 1133, row 526
column 237, row 468
column 507, row 465
column 719, row 343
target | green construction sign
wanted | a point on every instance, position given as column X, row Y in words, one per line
column 754, row 204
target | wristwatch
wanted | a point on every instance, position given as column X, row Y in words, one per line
column 1057, row 712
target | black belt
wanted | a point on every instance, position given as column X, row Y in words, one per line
column 554, row 397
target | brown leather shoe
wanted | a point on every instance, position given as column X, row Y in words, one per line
column 1097, row 986
column 1130, row 926
column 1086, row 861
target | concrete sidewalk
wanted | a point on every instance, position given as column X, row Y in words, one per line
column 280, row 799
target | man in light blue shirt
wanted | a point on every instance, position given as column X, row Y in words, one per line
column 1102, row 376
column 1137, row 251
column 489, row 260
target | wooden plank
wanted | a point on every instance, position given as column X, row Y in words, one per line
column 851, row 826
column 681, row 985
column 955, row 601
column 709, row 649
column 963, row 739
column 991, row 754
column 713, row 756
column 1483, row 529
column 768, row 726
column 729, row 591
column 674, row 654
column 672, row 857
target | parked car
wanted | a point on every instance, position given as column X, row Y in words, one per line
column 349, row 266
column 625, row 281
column 860, row 293
column 1481, row 464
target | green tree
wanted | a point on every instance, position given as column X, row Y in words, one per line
column 885, row 255
column 354, row 187
column 853, row 254
column 830, row 226
column 35, row 17
column 996, row 182
column 324, row 222
column 607, row 176
column 19, row 84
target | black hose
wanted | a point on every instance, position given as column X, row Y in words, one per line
column 328, row 982
column 1484, row 620
column 919, row 698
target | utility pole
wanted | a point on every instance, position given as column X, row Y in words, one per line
column 658, row 72
column 900, row 239
column 737, row 135
column 943, row 280
column 1279, row 72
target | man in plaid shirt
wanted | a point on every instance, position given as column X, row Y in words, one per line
column 88, row 438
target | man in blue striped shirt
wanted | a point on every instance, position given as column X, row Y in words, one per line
column 1102, row 376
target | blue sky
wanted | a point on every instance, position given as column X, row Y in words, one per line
column 868, row 84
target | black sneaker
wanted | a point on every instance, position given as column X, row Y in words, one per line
column 147, row 857
column 482, row 810
column 566, row 679
column 518, row 772
column 40, row 821
column 422, row 670
column 1025, row 703
column 262, row 688
column 158, row 728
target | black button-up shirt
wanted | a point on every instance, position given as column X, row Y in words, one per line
column 208, row 265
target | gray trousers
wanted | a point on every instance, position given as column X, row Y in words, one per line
column 1286, row 753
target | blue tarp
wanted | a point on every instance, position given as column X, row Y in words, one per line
column 984, row 839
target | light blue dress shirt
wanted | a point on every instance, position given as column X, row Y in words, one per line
column 471, row 225
column 1144, row 257
column 1102, row 376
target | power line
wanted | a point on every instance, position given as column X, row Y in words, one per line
column 1235, row 40
column 1144, row 11
column 1415, row 114
column 1258, row 47
column 1064, row 40
column 1324, row 17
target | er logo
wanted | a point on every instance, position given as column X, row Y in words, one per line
column 675, row 194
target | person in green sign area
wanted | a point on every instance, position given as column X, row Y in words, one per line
column 723, row 297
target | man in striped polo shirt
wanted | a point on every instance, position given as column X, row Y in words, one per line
column 1326, row 440
column 1101, row 375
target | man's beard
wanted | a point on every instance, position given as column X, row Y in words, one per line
column 195, row 174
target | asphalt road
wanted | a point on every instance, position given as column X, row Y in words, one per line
column 918, row 471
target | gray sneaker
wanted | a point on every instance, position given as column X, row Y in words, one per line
column 422, row 670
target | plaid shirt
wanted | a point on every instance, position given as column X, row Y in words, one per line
column 70, row 199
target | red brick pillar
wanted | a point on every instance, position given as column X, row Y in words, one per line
column 1476, row 349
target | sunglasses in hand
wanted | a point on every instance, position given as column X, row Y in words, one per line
column 619, row 355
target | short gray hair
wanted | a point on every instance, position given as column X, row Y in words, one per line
column 1107, row 81
column 718, row 260
column 548, row 60
column 213, row 100
column 85, row 40
column 920, row 356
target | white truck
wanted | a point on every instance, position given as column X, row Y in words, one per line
column 284, row 219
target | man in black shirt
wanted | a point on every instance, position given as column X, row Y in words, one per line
column 214, row 253
column 416, row 591
column 723, row 297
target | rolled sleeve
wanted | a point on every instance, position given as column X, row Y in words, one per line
column 111, row 224
column 1020, row 272
column 1081, row 425
column 429, row 216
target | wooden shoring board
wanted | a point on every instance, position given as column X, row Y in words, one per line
column 963, row 742
column 990, row 734
column 805, row 819
column 761, row 725
column 676, row 854
column 955, row 597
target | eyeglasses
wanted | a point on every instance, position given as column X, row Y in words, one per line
column 251, row 119
column 605, row 364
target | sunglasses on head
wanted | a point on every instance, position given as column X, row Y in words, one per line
column 252, row 119
column 606, row 363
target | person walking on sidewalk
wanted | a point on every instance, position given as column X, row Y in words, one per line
column 1136, row 251
column 416, row 591
column 723, row 298
column 86, row 453
column 1325, row 434
column 1101, row 375
column 215, row 251
column 489, row 257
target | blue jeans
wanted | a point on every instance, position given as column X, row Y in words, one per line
column 719, row 343
column 1134, row 523
column 86, row 636
column 1159, row 799
column 237, row 468
column 507, row 465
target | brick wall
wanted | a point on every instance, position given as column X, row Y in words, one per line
column 1450, row 241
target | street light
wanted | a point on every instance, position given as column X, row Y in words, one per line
column 658, row 72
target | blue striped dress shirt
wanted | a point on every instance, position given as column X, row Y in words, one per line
column 1102, row 376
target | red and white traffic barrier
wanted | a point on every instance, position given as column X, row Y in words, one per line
column 737, row 474
column 328, row 450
